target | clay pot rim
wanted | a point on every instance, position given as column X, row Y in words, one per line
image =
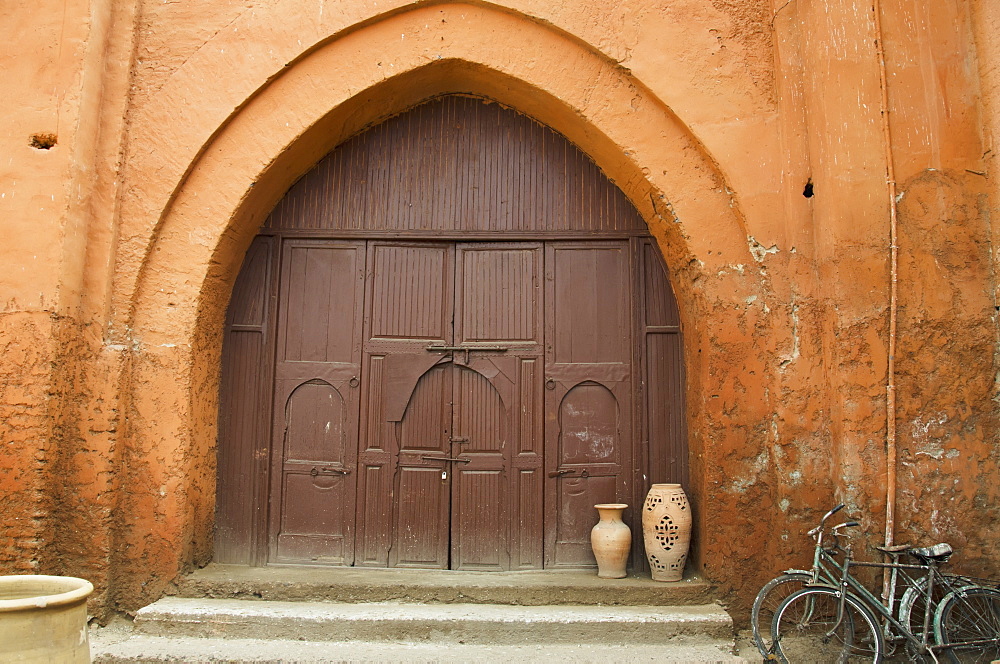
column 610, row 506
column 666, row 486
column 48, row 591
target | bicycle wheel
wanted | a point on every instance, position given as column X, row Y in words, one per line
column 968, row 615
column 768, row 599
column 810, row 627
column 914, row 601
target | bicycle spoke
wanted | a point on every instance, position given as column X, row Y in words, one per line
column 969, row 621
column 810, row 627
column 767, row 601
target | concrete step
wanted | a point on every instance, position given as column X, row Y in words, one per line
column 524, row 588
column 440, row 623
column 196, row 650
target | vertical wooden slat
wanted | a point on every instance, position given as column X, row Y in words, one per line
column 456, row 164
column 244, row 408
column 664, row 366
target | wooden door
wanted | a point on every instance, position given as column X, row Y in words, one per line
column 452, row 347
column 403, row 504
column 459, row 223
column 316, row 379
column 497, row 493
column 588, row 392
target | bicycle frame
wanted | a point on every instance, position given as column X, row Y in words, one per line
column 919, row 582
column 845, row 584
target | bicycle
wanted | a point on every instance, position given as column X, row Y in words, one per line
column 825, row 570
column 838, row 619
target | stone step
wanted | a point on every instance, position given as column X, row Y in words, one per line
column 525, row 588
column 152, row 649
column 438, row 623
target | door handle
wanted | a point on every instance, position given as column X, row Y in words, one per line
column 434, row 458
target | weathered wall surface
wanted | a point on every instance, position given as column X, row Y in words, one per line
column 180, row 124
column 39, row 130
column 946, row 344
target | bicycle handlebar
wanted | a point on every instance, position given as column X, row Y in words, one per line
column 822, row 522
column 831, row 513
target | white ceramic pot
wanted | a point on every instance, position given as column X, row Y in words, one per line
column 611, row 540
column 44, row 619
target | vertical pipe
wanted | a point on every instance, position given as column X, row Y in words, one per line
column 890, row 390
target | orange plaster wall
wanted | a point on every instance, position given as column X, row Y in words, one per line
column 42, row 93
column 711, row 115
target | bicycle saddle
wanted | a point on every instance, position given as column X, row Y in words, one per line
column 938, row 553
column 896, row 548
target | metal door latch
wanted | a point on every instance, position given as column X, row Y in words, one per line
column 570, row 472
column 326, row 469
column 442, row 348
column 434, row 458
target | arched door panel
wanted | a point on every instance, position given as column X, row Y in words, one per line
column 588, row 381
column 421, row 506
column 316, row 399
column 481, row 504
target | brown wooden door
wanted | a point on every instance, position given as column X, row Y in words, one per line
column 452, row 342
column 588, row 391
column 316, row 396
column 497, row 495
column 461, row 405
column 432, row 228
column 403, row 510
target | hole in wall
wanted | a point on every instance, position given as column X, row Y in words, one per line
column 42, row 141
column 808, row 190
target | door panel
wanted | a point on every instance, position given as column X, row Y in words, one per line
column 402, row 514
column 244, row 413
column 497, row 296
column 420, row 527
column 663, row 368
column 480, row 521
column 588, row 392
column 497, row 496
column 317, row 369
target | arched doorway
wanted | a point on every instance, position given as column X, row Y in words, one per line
column 449, row 340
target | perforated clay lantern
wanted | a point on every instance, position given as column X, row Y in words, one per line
column 666, row 531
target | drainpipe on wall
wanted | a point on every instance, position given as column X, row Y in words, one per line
column 890, row 389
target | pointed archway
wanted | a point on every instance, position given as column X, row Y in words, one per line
column 185, row 232
column 457, row 234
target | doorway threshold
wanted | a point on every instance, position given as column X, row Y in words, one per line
column 361, row 584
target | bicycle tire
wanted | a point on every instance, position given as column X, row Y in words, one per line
column 969, row 614
column 768, row 599
column 806, row 629
column 913, row 601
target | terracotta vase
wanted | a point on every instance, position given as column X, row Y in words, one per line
column 44, row 619
column 611, row 540
column 666, row 531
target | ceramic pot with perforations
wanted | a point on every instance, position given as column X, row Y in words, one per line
column 666, row 531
